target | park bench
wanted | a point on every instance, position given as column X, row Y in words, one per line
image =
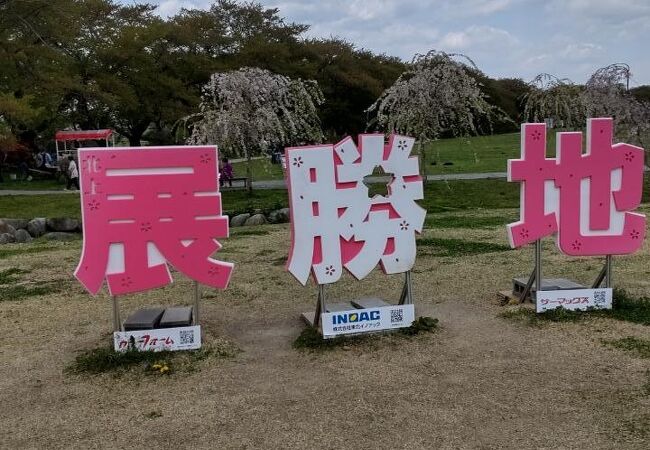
column 50, row 173
column 243, row 180
column 53, row 173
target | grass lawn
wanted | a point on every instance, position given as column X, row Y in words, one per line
column 67, row 205
column 262, row 169
column 440, row 196
column 33, row 185
column 30, row 206
column 482, row 379
column 478, row 154
column 472, row 154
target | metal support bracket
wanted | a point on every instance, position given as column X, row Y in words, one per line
column 538, row 266
column 605, row 274
column 536, row 275
column 197, row 301
column 406, row 298
column 320, row 305
column 529, row 286
column 117, row 321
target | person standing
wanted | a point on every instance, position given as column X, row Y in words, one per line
column 226, row 172
column 73, row 174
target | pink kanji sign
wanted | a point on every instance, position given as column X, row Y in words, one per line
column 336, row 225
column 145, row 207
column 587, row 198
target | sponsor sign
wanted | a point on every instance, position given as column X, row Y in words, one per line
column 574, row 299
column 180, row 338
column 367, row 320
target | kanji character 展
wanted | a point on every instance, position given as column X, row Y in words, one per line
column 144, row 207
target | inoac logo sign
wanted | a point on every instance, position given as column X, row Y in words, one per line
column 353, row 317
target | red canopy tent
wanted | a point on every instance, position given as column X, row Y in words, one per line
column 81, row 135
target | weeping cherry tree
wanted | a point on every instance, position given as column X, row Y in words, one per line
column 436, row 95
column 604, row 95
column 554, row 98
column 248, row 111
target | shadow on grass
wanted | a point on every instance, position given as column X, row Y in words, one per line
column 8, row 250
column 637, row 346
column 11, row 275
column 628, row 308
column 11, row 290
column 458, row 247
column 311, row 339
column 281, row 261
column 468, row 222
column 236, row 232
column 624, row 307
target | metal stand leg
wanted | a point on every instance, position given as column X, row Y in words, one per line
column 197, row 301
column 529, row 286
column 605, row 274
column 407, row 291
column 538, row 266
column 320, row 305
column 117, row 322
column 535, row 276
column 409, row 285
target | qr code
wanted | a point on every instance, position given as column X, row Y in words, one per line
column 396, row 315
column 187, row 336
column 600, row 297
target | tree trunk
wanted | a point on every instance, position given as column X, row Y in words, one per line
column 134, row 140
column 249, row 174
column 423, row 162
column 135, row 132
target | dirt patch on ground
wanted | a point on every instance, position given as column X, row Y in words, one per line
column 480, row 381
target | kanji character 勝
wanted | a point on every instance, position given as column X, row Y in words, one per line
column 142, row 207
column 334, row 222
column 585, row 198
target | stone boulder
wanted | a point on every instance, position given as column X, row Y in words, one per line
column 22, row 236
column 62, row 224
column 18, row 224
column 6, row 238
column 280, row 216
column 37, row 227
column 60, row 236
column 239, row 220
column 5, row 228
column 257, row 219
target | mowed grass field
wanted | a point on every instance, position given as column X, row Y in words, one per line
column 479, row 154
column 438, row 196
column 476, row 154
column 488, row 377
